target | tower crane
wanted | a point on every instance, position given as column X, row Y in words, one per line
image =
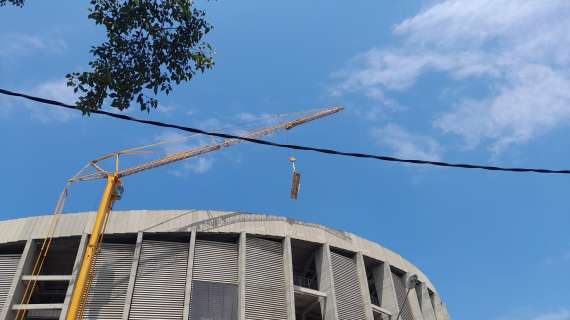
column 113, row 191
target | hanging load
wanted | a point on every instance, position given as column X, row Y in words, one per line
column 295, row 181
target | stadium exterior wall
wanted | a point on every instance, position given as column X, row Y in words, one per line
column 274, row 267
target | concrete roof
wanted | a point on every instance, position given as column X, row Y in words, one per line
column 72, row 224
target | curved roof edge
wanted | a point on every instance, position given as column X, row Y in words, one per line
column 133, row 221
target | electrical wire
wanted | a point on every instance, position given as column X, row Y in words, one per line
column 289, row 146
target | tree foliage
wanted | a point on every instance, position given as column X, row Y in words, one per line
column 18, row 3
column 150, row 45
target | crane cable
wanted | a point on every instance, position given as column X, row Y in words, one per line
column 289, row 146
column 42, row 254
column 46, row 245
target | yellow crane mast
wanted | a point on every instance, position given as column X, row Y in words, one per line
column 114, row 188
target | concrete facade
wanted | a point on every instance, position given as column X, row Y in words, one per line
column 189, row 225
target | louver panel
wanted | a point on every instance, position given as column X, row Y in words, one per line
column 215, row 262
column 265, row 296
column 106, row 298
column 401, row 292
column 160, row 281
column 214, row 301
column 8, row 266
column 350, row 304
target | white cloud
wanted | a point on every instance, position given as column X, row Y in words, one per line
column 509, row 21
column 525, row 313
column 535, row 100
column 518, row 47
column 167, row 109
column 54, row 90
column 558, row 315
column 179, row 142
column 51, row 89
column 197, row 166
column 6, row 106
column 559, row 260
column 406, row 145
column 20, row 44
column 264, row 118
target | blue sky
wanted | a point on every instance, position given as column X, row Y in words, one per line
column 456, row 80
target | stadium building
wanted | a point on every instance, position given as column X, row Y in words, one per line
column 205, row 265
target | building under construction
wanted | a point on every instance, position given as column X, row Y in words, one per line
column 208, row 265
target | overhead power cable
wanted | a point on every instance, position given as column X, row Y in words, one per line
column 287, row 146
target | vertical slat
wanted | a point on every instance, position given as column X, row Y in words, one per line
column 438, row 307
column 350, row 303
column 160, row 282
column 385, row 288
column 8, row 268
column 189, row 272
column 241, row 274
column 289, row 286
column 426, row 303
column 106, row 299
column 446, row 315
column 363, row 281
column 265, row 286
column 324, row 270
column 76, row 266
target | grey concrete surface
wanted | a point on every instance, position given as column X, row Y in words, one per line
column 75, row 224
column 189, row 270
column 363, row 282
column 133, row 274
column 241, row 284
column 193, row 221
column 425, row 303
column 289, row 286
column 15, row 291
column 74, row 273
column 324, row 270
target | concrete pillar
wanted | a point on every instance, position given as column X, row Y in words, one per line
column 385, row 288
column 289, row 285
column 241, row 267
column 445, row 313
column 414, row 304
column 361, row 269
column 133, row 276
column 16, row 291
column 425, row 303
column 189, row 269
column 439, row 308
column 326, row 282
column 74, row 273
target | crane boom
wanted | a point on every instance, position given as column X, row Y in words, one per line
column 113, row 190
column 101, row 174
column 227, row 143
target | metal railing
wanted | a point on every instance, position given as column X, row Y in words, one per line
column 310, row 283
column 374, row 299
